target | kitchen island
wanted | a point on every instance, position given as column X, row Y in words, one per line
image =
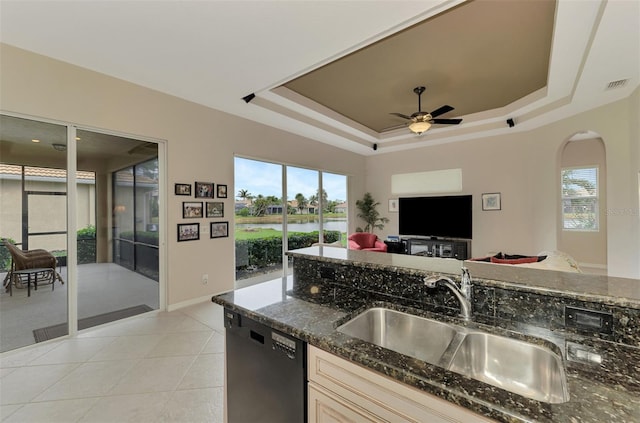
column 332, row 285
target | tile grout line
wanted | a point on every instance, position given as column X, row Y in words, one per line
column 212, row 333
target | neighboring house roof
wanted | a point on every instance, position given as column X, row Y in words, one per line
column 294, row 203
column 8, row 171
column 41, row 172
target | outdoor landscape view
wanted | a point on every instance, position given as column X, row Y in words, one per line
column 307, row 213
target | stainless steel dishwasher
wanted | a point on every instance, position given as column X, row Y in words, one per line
column 266, row 373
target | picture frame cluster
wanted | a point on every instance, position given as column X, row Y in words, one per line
column 202, row 209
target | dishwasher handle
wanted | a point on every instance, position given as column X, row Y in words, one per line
column 256, row 336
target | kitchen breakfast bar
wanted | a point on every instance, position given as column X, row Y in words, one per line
column 574, row 338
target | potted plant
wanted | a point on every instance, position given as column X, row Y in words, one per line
column 368, row 212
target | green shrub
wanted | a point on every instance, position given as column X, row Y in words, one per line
column 5, row 255
column 87, row 233
column 87, row 245
column 265, row 252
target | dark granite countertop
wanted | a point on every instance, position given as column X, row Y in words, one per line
column 616, row 291
column 272, row 303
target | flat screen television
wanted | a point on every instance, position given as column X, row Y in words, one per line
column 443, row 217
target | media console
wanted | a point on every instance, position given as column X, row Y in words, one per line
column 440, row 247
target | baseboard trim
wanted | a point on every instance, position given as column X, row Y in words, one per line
column 187, row 303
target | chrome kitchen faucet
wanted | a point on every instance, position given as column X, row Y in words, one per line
column 462, row 293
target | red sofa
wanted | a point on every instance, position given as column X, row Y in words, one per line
column 367, row 242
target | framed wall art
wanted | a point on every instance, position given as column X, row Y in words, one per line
column 183, row 189
column 215, row 209
column 188, row 231
column 204, row 189
column 491, row 201
column 219, row 229
column 222, row 191
column 192, row 209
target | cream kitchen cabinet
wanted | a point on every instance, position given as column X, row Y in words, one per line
column 340, row 391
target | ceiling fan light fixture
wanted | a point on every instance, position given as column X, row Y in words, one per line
column 419, row 127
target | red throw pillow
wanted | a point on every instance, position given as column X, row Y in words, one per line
column 514, row 261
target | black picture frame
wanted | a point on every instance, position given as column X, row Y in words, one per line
column 215, row 209
column 188, row 232
column 183, row 189
column 219, row 229
column 221, row 191
column 192, row 210
column 204, row 189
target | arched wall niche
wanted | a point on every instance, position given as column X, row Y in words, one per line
column 585, row 149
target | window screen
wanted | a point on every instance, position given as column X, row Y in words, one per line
column 580, row 198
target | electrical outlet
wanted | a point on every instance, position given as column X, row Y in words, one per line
column 205, row 279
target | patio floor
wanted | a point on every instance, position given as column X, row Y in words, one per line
column 102, row 288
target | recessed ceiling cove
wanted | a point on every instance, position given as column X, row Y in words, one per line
column 478, row 56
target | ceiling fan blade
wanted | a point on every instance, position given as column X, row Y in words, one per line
column 401, row 115
column 440, row 111
column 447, row 121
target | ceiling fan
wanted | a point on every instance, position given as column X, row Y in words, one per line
column 422, row 121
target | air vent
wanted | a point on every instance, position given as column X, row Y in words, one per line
column 616, row 84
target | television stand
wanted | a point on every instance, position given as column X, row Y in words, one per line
column 439, row 247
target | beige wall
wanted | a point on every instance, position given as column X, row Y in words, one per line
column 524, row 167
column 201, row 144
column 634, row 157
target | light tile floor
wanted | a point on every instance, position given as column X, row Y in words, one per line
column 160, row 367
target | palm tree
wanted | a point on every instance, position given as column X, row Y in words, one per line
column 244, row 194
column 323, row 198
column 302, row 202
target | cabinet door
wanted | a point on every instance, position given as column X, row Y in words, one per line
column 376, row 396
column 326, row 407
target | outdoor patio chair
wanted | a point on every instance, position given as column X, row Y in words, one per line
column 41, row 262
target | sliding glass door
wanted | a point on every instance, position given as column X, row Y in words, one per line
column 60, row 194
column 334, row 214
column 258, row 220
column 33, row 211
column 303, row 214
column 281, row 208
column 122, row 278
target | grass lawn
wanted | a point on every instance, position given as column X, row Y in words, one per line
column 242, row 234
column 291, row 218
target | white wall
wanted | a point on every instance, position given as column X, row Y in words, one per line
column 201, row 143
column 524, row 167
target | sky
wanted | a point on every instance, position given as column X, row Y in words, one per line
column 266, row 179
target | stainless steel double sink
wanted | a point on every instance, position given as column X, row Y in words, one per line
column 527, row 369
